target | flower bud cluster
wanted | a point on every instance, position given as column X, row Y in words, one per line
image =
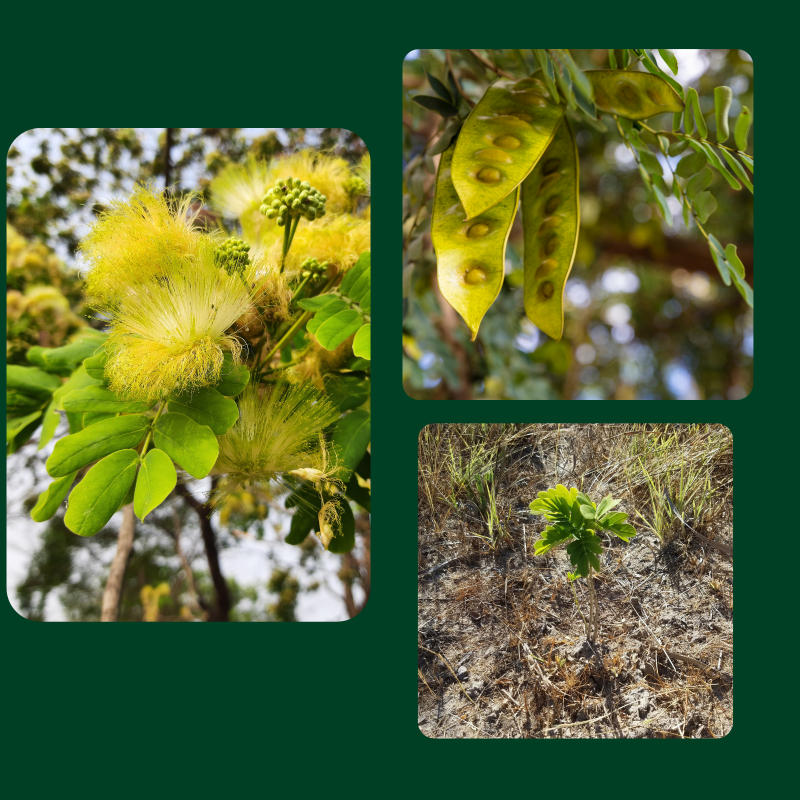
column 232, row 255
column 293, row 197
column 355, row 186
column 311, row 267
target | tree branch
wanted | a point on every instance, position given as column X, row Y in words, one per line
column 221, row 611
column 113, row 591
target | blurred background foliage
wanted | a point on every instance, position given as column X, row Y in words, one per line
column 57, row 181
column 646, row 314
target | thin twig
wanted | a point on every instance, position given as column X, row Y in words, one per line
column 491, row 66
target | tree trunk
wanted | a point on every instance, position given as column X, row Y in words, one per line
column 113, row 590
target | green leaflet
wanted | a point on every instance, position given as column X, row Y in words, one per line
column 742, row 128
column 50, row 499
column 96, row 366
column 193, row 447
column 351, row 437
column 98, row 399
column 338, row 316
column 634, row 95
column 723, row 95
column 361, row 344
column 79, row 449
column 66, row 357
column 233, row 379
column 17, row 402
column 14, row 426
column 501, row 141
column 156, row 479
column 98, row 496
column 31, row 380
column 551, row 218
column 356, row 282
column 346, row 391
column 207, row 407
column 470, row 256
column 339, row 327
column 583, row 552
column 699, row 120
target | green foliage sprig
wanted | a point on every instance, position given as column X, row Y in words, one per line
column 577, row 518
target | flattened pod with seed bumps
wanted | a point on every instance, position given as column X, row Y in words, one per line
column 470, row 255
column 502, row 139
column 634, row 95
column 550, row 217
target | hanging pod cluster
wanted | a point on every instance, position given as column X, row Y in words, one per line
column 518, row 141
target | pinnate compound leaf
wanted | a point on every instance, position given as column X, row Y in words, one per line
column 31, row 380
column 436, row 104
column 193, row 447
column 704, row 205
column 553, row 535
column 361, row 344
column 99, row 495
column 79, row 449
column 207, row 407
column 351, row 437
column 742, row 127
column 100, row 399
column 157, row 478
column 51, row 498
column 669, row 60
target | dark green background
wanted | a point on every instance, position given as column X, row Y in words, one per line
column 330, row 708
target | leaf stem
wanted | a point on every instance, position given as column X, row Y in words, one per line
column 152, row 425
column 456, row 81
column 695, row 139
column 280, row 343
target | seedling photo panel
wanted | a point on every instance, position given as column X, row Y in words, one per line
column 575, row 581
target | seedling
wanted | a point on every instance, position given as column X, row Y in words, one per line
column 577, row 518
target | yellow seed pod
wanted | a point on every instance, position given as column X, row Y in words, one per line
column 550, row 217
column 470, row 254
column 635, row 95
column 502, row 139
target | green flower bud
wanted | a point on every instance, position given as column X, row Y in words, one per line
column 272, row 213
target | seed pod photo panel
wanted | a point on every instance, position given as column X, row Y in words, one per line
column 575, row 581
column 577, row 224
column 189, row 374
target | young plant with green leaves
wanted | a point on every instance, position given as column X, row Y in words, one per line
column 577, row 520
column 517, row 141
column 244, row 358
